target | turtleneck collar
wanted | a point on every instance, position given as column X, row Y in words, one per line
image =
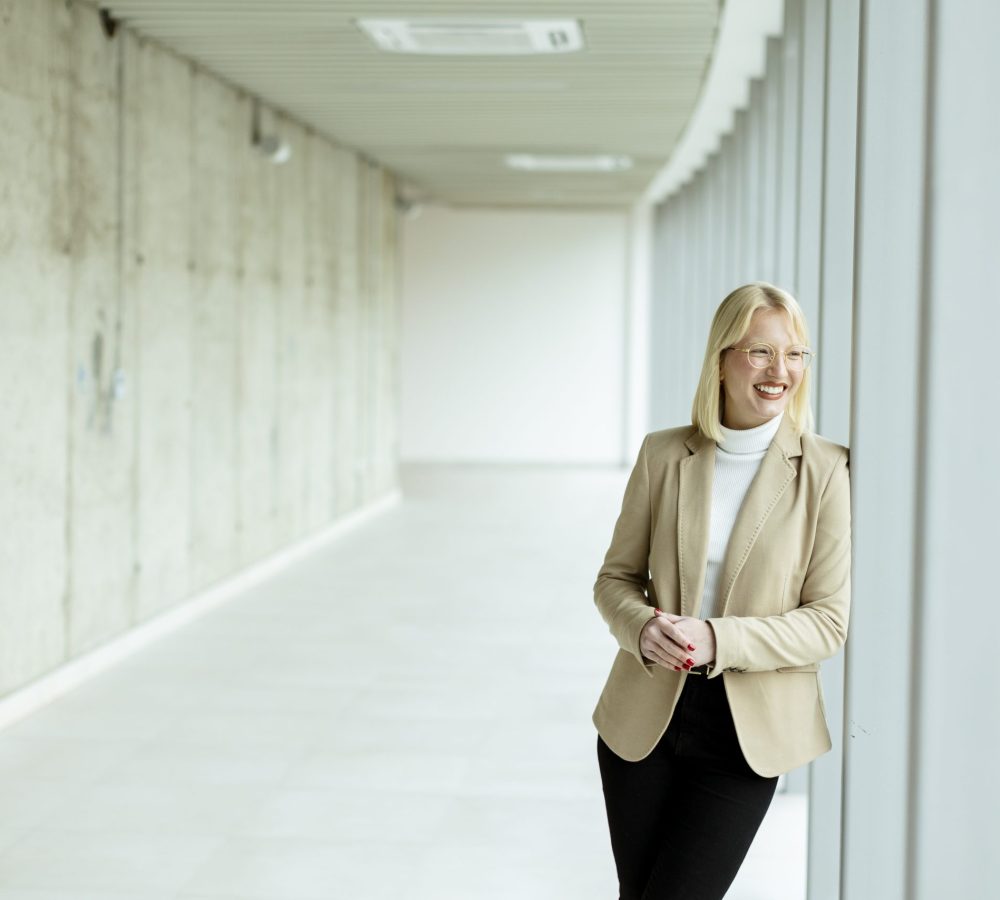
column 749, row 440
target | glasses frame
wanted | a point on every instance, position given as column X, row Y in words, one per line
column 774, row 353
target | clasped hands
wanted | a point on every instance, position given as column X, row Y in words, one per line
column 677, row 642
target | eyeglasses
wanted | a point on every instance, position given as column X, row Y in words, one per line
column 762, row 355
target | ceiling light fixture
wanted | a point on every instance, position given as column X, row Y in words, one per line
column 533, row 162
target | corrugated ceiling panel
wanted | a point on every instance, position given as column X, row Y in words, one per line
column 444, row 124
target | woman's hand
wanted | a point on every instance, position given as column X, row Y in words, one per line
column 668, row 640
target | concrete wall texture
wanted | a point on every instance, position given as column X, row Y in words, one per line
column 199, row 348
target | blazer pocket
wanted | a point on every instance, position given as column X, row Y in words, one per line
column 808, row 667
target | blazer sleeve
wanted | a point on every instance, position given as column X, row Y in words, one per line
column 620, row 589
column 817, row 628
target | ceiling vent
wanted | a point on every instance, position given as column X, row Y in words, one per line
column 474, row 37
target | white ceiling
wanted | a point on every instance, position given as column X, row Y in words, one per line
column 444, row 124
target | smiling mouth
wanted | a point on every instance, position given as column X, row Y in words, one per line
column 759, row 388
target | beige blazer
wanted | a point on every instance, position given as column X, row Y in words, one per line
column 785, row 582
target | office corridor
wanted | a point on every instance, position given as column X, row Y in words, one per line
column 404, row 714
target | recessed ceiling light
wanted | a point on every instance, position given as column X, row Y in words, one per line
column 533, row 162
column 474, row 36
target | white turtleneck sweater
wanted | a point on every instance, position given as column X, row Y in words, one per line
column 737, row 459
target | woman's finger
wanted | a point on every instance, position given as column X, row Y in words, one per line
column 667, row 649
column 675, row 631
column 655, row 647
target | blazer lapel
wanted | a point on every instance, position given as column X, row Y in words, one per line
column 694, row 509
column 773, row 476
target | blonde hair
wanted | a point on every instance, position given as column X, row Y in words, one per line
column 729, row 325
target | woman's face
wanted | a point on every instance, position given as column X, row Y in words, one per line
column 744, row 406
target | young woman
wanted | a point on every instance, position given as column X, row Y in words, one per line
column 731, row 557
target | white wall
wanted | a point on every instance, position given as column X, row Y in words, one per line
column 513, row 336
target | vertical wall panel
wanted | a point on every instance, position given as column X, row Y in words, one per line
column 826, row 195
column 737, row 266
column 729, row 199
column 257, row 379
column 717, row 229
column 683, row 265
column 753, row 178
column 811, row 136
column 771, row 163
column 790, row 137
column 318, row 448
column 885, row 414
column 292, row 401
column 709, row 239
column 102, row 403
column 159, row 119
column 788, row 76
column 953, row 826
column 34, row 324
column 363, row 328
column 694, row 235
column 328, row 241
column 662, row 285
column 387, row 356
column 214, row 312
column 349, row 398
column 837, row 255
column 375, row 315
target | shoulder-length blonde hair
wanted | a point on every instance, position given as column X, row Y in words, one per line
column 729, row 325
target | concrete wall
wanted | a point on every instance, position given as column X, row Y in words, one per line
column 245, row 311
column 515, row 335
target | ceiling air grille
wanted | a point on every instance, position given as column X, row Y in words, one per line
column 474, row 36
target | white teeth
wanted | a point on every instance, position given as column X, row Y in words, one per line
column 768, row 390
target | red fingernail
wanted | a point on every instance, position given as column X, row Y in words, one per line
column 690, row 647
column 678, row 668
column 690, row 662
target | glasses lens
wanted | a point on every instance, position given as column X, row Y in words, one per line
column 799, row 358
column 759, row 355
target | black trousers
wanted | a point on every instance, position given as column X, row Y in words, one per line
column 683, row 818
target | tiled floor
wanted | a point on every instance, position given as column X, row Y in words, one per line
column 406, row 715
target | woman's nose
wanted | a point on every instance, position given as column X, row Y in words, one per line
column 778, row 366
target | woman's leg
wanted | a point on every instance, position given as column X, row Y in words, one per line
column 701, row 851
column 635, row 797
column 683, row 818
column 722, row 803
